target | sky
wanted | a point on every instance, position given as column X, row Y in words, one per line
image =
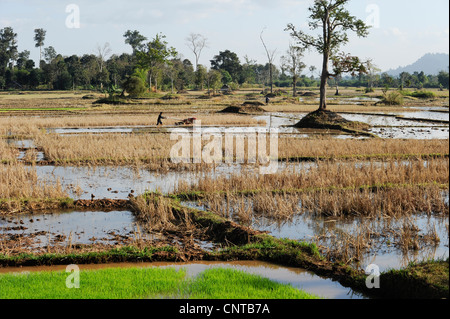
column 402, row 30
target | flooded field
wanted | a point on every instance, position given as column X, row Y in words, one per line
column 390, row 242
column 383, row 247
column 400, row 125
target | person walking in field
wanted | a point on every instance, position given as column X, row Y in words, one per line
column 160, row 117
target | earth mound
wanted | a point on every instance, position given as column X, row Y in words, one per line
column 307, row 94
column 324, row 119
column 247, row 107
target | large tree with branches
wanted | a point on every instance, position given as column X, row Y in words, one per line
column 334, row 22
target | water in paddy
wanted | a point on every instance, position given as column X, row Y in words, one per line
column 384, row 251
column 385, row 125
column 74, row 227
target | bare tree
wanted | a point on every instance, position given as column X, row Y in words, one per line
column 196, row 42
column 270, row 57
column 292, row 63
column 102, row 55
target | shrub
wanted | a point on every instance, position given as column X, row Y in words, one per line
column 134, row 86
column 393, row 98
column 423, row 94
column 419, row 94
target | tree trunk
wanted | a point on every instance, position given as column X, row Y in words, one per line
column 326, row 56
column 150, row 81
column 40, row 56
column 294, row 84
column 323, row 83
column 271, row 77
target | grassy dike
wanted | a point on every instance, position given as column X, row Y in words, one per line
column 428, row 280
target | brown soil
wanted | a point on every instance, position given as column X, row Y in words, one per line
column 247, row 107
column 328, row 120
column 102, row 204
column 322, row 119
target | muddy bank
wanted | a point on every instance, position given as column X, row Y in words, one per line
column 13, row 206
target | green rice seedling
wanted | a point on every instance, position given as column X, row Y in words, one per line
column 223, row 283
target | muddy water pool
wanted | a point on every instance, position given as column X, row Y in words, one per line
column 74, row 227
column 119, row 182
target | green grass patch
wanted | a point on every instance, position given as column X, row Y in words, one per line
column 130, row 283
column 419, row 94
column 429, row 279
column 224, row 283
column 139, row 283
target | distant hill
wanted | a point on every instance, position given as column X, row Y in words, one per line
column 430, row 64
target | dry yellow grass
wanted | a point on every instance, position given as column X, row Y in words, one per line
column 312, row 106
column 6, row 152
column 326, row 147
column 329, row 176
column 392, row 202
column 130, row 147
column 27, row 125
column 104, row 148
column 20, row 182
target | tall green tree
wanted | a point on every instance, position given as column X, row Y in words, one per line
column 50, row 54
column 228, row 61
column 200, row 77
column 153, row 56
column 335, row 22
column 24, row 56
column 135, row 40
column 39, row 38
column 443, row 79
column 213, row 80
column 8, row 48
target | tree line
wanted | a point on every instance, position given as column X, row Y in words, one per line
column 153, row 64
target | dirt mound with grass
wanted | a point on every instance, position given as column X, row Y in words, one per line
column 328, row 120
column 322, row 119
column 246, row 107
column 306, row 94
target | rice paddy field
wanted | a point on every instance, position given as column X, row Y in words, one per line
column 96, row 185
